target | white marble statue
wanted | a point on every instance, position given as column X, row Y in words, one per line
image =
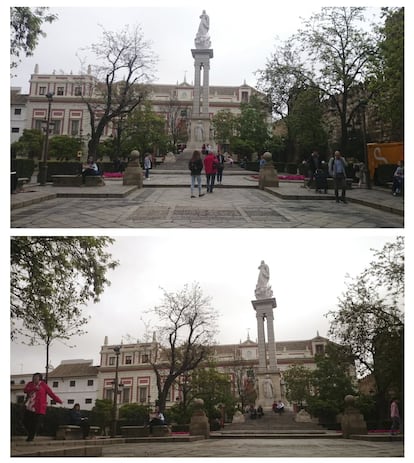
column 202, row 39
column 263, row 289
column 268, row 387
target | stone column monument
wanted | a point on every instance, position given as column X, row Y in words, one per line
column 268, row 375
column 200, row 117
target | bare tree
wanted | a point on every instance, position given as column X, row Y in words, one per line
column 185, row 333
column 120, row 84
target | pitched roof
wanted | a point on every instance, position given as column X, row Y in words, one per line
column 65, row 370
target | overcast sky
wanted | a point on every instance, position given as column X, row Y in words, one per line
column 243, row 35
column 307, row 274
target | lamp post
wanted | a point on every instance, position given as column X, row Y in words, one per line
column 43, row 164
column 117, row 350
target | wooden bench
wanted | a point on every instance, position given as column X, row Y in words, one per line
column 135, row 431
column 77, row 180
column 72, row 432
column 331, row 185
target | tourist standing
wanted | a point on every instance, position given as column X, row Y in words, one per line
column 147, row 165
column 196, row 166
column 395, row 416
column 337, row 169
column 398, row 179
column 210, row 167
column 313, row 166
column 220, row 168
column 36, row 403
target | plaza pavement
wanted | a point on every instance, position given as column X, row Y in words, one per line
column 329, row 445
column 164, row 202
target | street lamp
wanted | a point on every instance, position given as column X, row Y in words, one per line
column 117, row 350
column 43, row 164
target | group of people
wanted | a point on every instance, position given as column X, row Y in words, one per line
column 278, row 407
column 213, row 166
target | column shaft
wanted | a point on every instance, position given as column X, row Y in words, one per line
column 261, row 342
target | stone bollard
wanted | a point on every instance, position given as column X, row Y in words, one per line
column 133, row 172
column 352, row 421
column 268, row 174
column 199, row 425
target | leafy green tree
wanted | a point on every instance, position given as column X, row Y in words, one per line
column 126, row 66
column 304, row 122
column 223, row 124
column 388, row 85
column 187, row 325
column 29, row 144
column 298, row 384
column 369, row 321
column 331, row 382
column 215, row 390
column 252, row 124
column 144, row 131
column 25, row 29
column 51, row 279
column 339, row 53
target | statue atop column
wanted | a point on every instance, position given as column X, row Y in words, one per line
column 263, row 289
column 202, row 39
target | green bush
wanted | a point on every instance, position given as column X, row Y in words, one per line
column 23, row 167
column 54, row 417
column 133, row 414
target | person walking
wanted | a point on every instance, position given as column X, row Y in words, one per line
column 220, row 167
column 337, row 166
column 195, row 165
column 313, row 166
column 210, row 167
column 395, row 416
column 398, row 179
column 36, row 404
column 147, row 165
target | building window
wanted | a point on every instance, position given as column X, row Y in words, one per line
column 125, row 395
column 88, row 401
column 42, row 90
column 17, row 111
column 60, row 91
column 56, row 127
column 142, row 394
column 90, row 382
column 55, row 384
column 78, row 91
column 15, row 130
column 245, row 97
column 74, row 128
column 71, row 401
column 52, row 402
column 12, row 382
column 72, row 383
column 22, row 381
column 319, row 348
column 111, row 360
column 128, row 359
column 144, row 358
column 109, row 394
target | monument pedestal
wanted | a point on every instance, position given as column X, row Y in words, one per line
column 263, row 397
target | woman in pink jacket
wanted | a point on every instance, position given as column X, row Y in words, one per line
column 36, row 404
